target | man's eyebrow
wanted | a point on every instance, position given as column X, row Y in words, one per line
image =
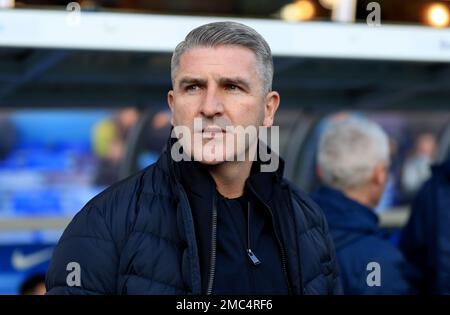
column 235, row 80
column 191, row 80
column 223, row 81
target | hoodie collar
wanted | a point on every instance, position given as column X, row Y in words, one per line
column 345, row 213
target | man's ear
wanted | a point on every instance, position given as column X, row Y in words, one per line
column 170, row 103
column 380, row 174
column 319, row 172
column 271, row 106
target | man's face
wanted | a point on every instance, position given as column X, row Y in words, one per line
column 220, row 87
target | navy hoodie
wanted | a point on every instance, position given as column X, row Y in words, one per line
column 358, row 241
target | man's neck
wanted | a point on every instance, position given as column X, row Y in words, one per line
column 230, row 177
column 361, row 196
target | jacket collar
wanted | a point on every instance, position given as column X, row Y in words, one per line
column 195, row 177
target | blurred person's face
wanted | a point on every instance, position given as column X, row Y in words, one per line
column 426, row 145
column 220, row 87
column 116, row 151
column 161, row 120
column 128, row 117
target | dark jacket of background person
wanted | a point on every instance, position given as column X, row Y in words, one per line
column 138, row 237
column 425, row 240
column 358, row 241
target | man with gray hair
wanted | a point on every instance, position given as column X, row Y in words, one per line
column 211, row 223
column 353, row 162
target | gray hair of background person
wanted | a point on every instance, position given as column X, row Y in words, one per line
column 349, row 150
column 228, row 33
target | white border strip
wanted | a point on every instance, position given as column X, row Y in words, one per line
column 145, row 32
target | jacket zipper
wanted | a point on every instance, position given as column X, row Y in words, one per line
column 212, row 265
column 255, row 261
column 283, row 255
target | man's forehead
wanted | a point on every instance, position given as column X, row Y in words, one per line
column 219, row 55
column 230, row 60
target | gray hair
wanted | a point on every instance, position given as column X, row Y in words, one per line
column 349, row 150
column 228, row 33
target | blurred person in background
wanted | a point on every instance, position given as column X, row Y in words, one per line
column 353, row 163
column 417, row 168
column 159, row 131
column 425, row 240
column 33, row 285
column 155, row 138
column 109, row 144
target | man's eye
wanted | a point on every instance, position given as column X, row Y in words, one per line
column 192, row 88
column 232, row 87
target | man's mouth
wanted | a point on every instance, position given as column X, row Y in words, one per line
column 212, row 131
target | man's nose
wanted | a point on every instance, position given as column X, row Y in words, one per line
column 212, row 104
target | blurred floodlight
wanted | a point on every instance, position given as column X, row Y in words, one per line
column 298, row 11
column 6, row 4
column 438, row 15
